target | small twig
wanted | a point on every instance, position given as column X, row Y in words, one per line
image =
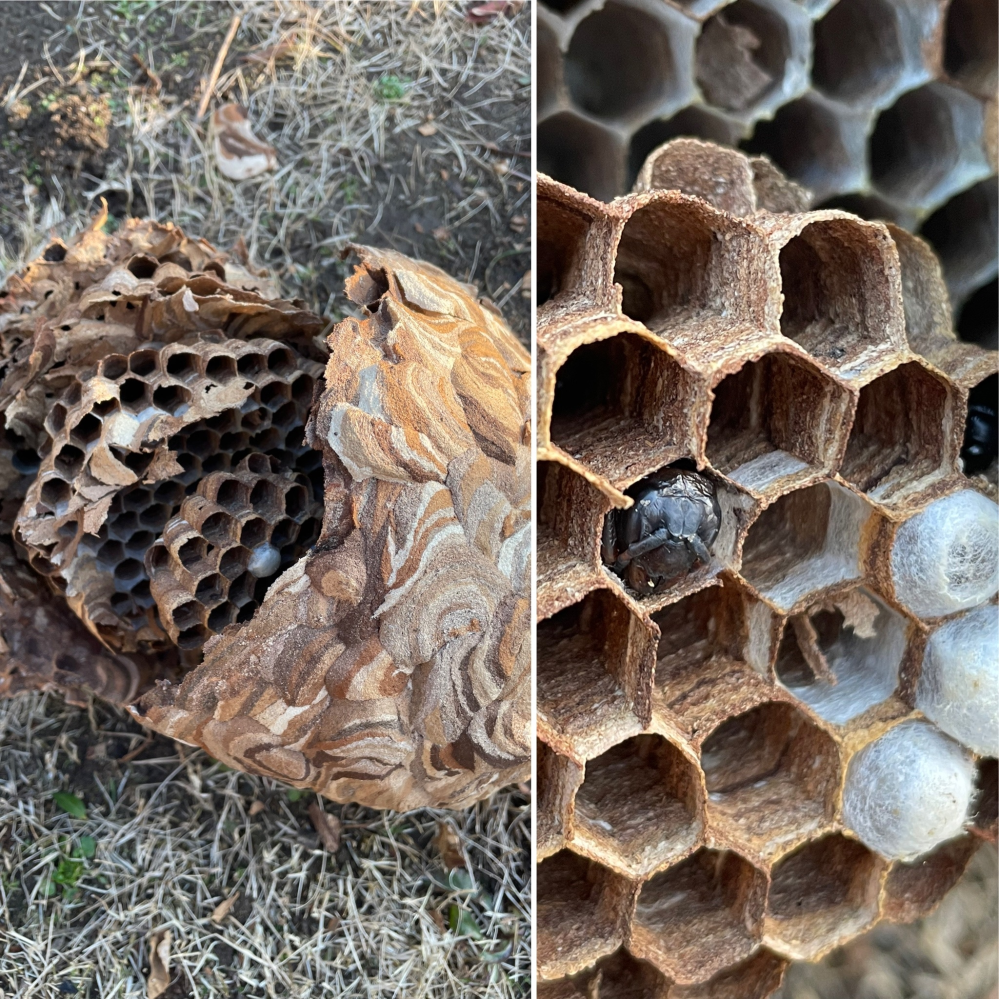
column 149, row 73
column 217, row 68
column 493, row 148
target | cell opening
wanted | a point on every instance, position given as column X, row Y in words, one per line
column 132, row 395
column 978, row 320
column 210, row 590
column 771, row 777
column 253, row 533
column 55, row 493
column 639, row 805
column 171, row 398
column 914, row 889
column 219, row 529
column 55, row 253
column 805, row 542
column 980, row 448
column 114, row 366
column 234, row 562
column 220, row 369
column 281, row 361
column 250, row 365
column 821, row 893
column 619, row 406
column 581, row 154
column 193, row 637
column 296, row 501
column 549, row 69
column 858, row 51
column 898, row 440
column 971, row 45
column 191, row 552
column 143, row 267
column 622, row 976
column 86, row 431
column 741, row 55
column 986, row 815
column 111, row 553
column 182, row 365
column 699, row 916
column 186, row 614
column 68, row 461
column 769, row 420
column 143, row 362
column 221, row 617
column 619, row 61
column 128, row 570
column 834, row 306
column 231, row 494
column 274, row 394
column 203, row 443
column 561, row 241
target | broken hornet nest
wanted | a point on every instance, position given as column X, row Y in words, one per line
column 308, row 556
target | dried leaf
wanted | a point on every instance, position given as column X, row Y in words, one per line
column 442, row 234
column 427, row 129
column 256, row 808
column 222, row 909
column 239, row 153
column 328, row 827
column 277, row 51
column 448, row 845
column 159, row 963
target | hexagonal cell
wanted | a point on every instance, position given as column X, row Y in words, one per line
column 913, row 890
column 979, row 448
column 772, row 778
column 619, row 406
column 582, row 912
column 550, row 82
column 594, row 652
column 86, row 431
column 220, row 368
column 561, row 241
column 771, row 421
column 757, row 977
column 143, row 362
column 806, row 541
column 860, row 642
column 749, row 51
column 816, row 143
column 557, row 781
column 699, row 916
column 639, row 806
column 978, row 320
column 693, row 122
column 963, row 232
column 627, row 58
column 898, row 443
column 971, row 45
column 928, row 145
column 582, row 154
column 682, row 264
column 985, row 818
column 821, row 894
column 838, row 304
column 622, row 976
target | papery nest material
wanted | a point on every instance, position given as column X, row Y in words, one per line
column 384, row 658
column 239, row 153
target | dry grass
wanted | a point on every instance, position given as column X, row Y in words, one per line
column 173, row 833
column 174, row 837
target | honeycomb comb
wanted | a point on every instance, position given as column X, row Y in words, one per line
column 698, row 741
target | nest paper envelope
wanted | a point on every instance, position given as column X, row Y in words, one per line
column 692, row 759
column 308, row 556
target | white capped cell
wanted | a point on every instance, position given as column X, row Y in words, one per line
column 959, row 685
column 908, row 791
column 946, row 559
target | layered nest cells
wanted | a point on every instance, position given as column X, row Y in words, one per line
column 886, row 108
column 782, row 729
column 308, row 555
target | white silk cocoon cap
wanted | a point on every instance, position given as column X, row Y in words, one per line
column 946, row 559
column 908, row 791
column 959, row 685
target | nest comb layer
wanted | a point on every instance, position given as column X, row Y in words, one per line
column 308, row 556
column 695, row 740
column 886, row 108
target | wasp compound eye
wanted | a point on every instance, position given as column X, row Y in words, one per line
column 666, row 533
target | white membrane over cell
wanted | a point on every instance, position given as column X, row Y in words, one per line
column 946, row 559
column 866, row 669
column 908, row 791
column 959, row 685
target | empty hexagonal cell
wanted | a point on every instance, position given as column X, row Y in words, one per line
column 867, row 50
column 980, row 445
column 561, row 240
column 86, row 431
column 68, row 461
column 550, row 82
column 772, row 778
column 114, row 366
column 220, row 368
column 859, row 643
column 557, row 781
column 898, row 443
column 639, row 806
column 928, row 145
column 757, row 977
column 693, row 122
column 699, row 916
column 594, row 652
column 174, row 399
column 816, row 143
column 184, row 365
column 971, row 45
column 619, row 406
column 581, row 914
column 771, row 421
column 978, row 319
column 143, row 362
column 621, row 976
column 804, row 542
column 914, row 889
column 823, row 893
column 211, row 590
column 681, row 264
column 985, row 817
column 582, row 154
column 219, row 529
column 964, row 234
column 749, row 51
column 626, row 58
column 191, row 552
column 838, row 302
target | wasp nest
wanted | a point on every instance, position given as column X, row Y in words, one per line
column 884, row 107
column 307, row 555
column 767, row 561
